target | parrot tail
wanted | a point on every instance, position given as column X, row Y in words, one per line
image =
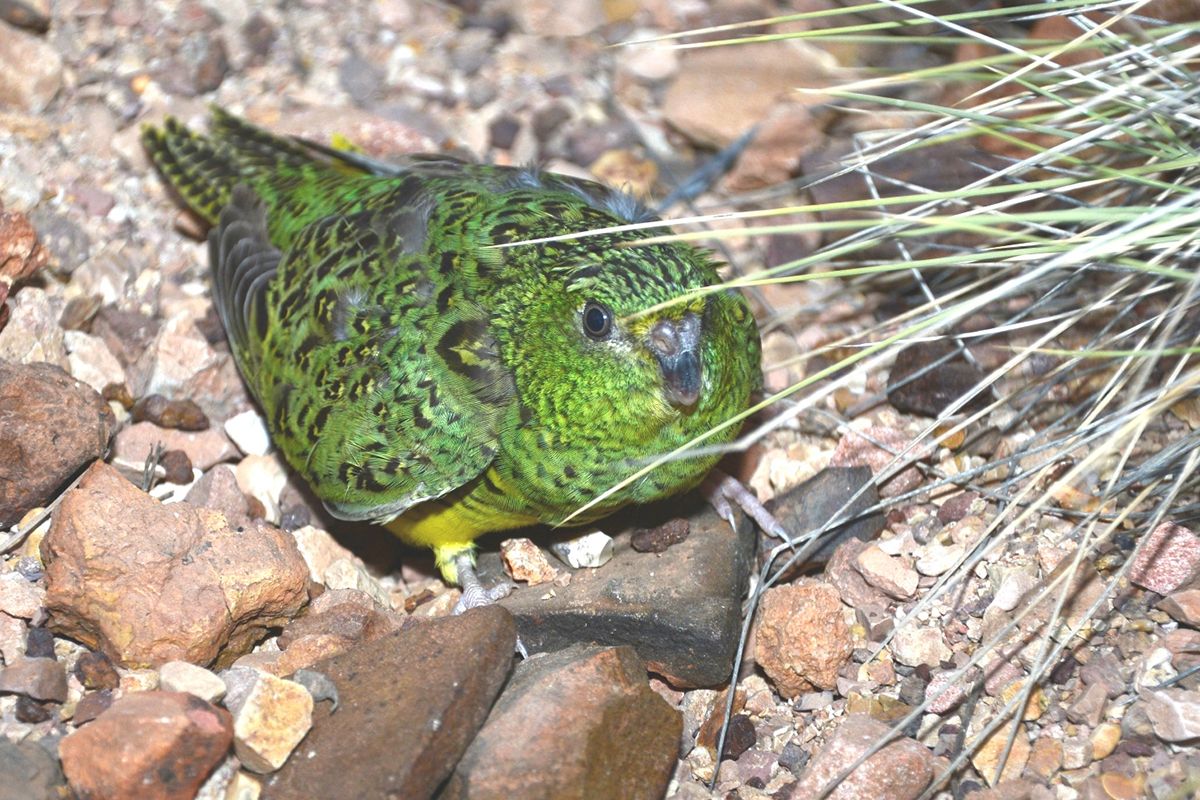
column 203, row 169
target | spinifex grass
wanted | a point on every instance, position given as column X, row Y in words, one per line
column 1073, row 253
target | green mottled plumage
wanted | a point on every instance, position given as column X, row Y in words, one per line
column 419, row 377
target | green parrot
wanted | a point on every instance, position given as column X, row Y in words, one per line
column 425, row 369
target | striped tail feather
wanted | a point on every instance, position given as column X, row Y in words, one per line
column 203, row 169
column 202, row 172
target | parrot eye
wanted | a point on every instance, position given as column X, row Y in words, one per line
column 597, row 320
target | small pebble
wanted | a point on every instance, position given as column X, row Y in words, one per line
column 181, row 676
column 591, row 550
column 248, row 431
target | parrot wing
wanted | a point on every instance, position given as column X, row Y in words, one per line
column 374, row 372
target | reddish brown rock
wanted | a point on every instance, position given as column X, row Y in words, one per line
column 52, row 426
column 218, row 489
column 147, row 583
column 39, row 678
column 96, row 671
column 1184, row 607
column 579, row 723
column 877, row 447
column 851, row 585
column 1175, row 715
column 890, row 574
column 92, row 705
column 182, row 415
column 803, row 638
column 148, row 745
column 900, row 771
column 338, row 620
column 204, row 448
column 409, row 703
column 20, row 253
column 1168, row 559
column 721, row 92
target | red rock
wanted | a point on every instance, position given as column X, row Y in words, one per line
column 53, row 425
column 900, row 771
column 218, row 489
column 149, row 746
column 20, row 597
column 92, row 705
column 409, row 703
column 1174, row 714
column 147, row 583
column 338, row 620
column 580, row 723
column 850, row 583
column 773, row 156
column 20, row 253
column 890, row 574
column 803, row 639
column 1184, row 607
column 1168, row 559
column 39, row 678
column 876, row 447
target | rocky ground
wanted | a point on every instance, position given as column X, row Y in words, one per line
column 219, row 637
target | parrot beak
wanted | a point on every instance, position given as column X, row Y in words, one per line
column 676, row 345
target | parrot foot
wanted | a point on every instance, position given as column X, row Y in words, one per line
column 473, row 593
column 721, row 490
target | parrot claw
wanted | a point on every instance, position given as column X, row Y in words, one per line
column 473, row 593
column 720, row 489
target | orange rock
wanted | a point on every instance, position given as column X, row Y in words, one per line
column 146, row 583
column 149, row 745
column 579, row 723
column 900, row 771
column 803, row 638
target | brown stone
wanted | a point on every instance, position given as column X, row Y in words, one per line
column 218, row 489
column 91, row 706
column 96, row 671
column 580, row 723
column 20, row 253
column 148, row 745
column 39, row 678
column 851, row 585
column 338, row 620
column 892, row 575
column 900, row 771
column 803, row 639
column 381, row 742
column 1045, row 758
column 204, row 448
column 147, row 583
column 721, row 92
column 53, row 425
column 877, row 448
column 681, row 610
column 1184, row 607
column 182, row 415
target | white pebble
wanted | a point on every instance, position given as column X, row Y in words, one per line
column 248, row 431
column 590, row 550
